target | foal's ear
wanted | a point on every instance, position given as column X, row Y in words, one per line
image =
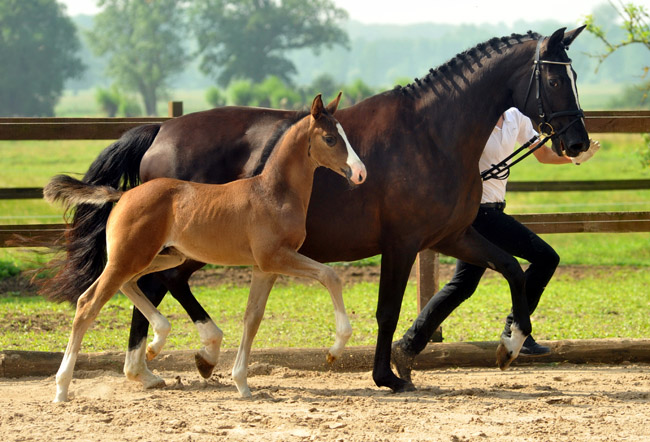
column 331, row 108
column 317, row 107
column 569, row 36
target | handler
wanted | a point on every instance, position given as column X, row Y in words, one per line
column 502, row 230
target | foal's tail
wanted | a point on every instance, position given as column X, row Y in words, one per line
column 84, row 243
column 72, row 192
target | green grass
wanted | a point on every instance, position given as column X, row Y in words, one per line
column 599, row 304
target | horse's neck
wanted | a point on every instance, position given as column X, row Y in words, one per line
column 290, row 168
column 463, row 109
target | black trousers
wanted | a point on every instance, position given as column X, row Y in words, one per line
column 510, row 235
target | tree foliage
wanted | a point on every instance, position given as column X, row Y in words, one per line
column 250, row 38
column 143, row 40
column 38, row 53
column 636, row 26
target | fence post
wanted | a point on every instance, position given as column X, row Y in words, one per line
column 427, row 269
column 174, row 108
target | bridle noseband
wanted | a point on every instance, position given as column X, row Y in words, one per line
column 501, row 171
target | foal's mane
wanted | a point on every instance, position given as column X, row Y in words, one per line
column 278, row 133
column 469, row 58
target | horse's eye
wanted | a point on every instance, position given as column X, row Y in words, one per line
column 553, row 82
column 330, row 140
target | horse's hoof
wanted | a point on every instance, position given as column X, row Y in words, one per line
column 331, row 358
column 205, row 368
column 394, row 383
column 407, row 386
column 504, row 357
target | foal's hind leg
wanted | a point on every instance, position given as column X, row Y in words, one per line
column 159, row 323
column 289, row 262
column 261, row 285
column 88, row 307
column 211, row 336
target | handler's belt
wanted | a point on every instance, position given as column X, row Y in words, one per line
column 496, row 206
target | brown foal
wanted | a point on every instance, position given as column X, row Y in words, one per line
column 258, row 221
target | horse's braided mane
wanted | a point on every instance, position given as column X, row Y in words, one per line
column 467, row 58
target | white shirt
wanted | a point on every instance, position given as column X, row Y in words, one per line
column 516, row 128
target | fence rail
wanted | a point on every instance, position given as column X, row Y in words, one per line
column 427, row 263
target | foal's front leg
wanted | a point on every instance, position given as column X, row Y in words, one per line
column 291, row 263
column 261, row 285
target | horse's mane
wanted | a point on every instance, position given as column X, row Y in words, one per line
column 278, row 133
column 467, row 58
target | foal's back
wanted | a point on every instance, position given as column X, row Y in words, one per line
column 206, row 222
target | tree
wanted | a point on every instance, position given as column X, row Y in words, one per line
column 635, row 23
column 249, row 38
column 38, row 53
column 143, row 40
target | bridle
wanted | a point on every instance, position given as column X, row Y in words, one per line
column 501, row 171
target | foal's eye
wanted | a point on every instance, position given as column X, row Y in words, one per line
column 330, row 140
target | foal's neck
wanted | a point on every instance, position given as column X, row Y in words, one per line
column 290, row 167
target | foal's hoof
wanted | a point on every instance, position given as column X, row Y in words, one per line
column 205, row 368
column 151, row 353
column 154, row 384
column 504, row 357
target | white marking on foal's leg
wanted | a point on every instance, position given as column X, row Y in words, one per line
column 135, row 367
column 161, row 328
column 211, row 337
column 64, row 376
column 343, row 333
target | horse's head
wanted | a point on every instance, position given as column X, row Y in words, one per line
column 551, row 98
column 328, row 144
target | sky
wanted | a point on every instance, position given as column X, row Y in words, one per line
column 442, row 11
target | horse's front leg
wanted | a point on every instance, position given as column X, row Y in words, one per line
column 261, row 285
column 396, row 264
column 472, row 247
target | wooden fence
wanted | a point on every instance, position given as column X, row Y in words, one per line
column 427, row 262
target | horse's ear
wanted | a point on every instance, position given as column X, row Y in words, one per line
column 331, row 108
column 556, row 38
column 571, row 35
column 317, row 107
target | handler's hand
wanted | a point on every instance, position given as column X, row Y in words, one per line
column 584, row 156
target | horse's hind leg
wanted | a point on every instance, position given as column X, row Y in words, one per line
column 289, row 262
column 261, row 285
column 88, row 307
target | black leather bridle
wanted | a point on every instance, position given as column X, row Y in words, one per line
column 501, row 171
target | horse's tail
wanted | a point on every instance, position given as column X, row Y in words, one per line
column 84, row 243
column 72, row 192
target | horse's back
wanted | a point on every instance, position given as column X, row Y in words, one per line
column 227, row 142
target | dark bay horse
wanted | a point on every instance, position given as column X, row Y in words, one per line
column 259, row 221
column 422, row 144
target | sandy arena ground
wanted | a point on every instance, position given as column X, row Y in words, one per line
column 544, row 402
column 541, row 403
